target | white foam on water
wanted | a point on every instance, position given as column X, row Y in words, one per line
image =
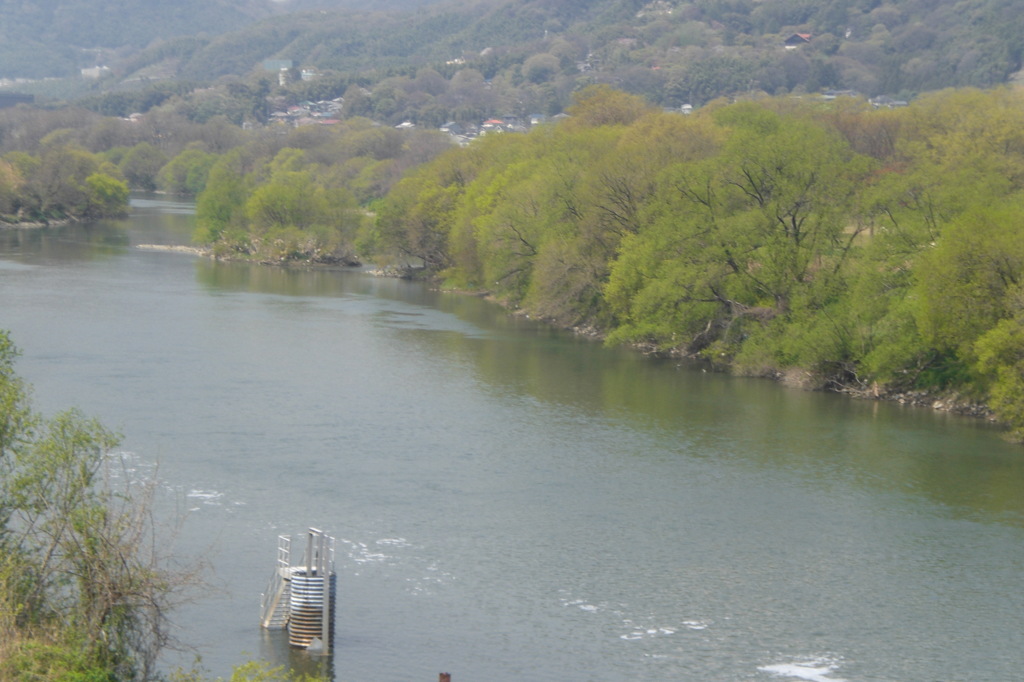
column 400, row 558
column 211, row 497
column 586, row 605
column 394, row 542
column 812, row 671
column 370, row 558
column 128, row 466
column 631, row 629
column 642, row 632
column 360, row 552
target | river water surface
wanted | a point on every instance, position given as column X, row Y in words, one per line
column 512, row 502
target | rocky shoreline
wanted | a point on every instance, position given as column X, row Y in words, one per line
column 941, row 401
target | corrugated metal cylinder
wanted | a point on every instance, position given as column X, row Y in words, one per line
column 306, row 615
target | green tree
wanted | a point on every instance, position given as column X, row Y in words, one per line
column 57, row 185
column 414, row 223
column 108, row 197
column 600, row 105
column 186, row 173
column 285, row 208
column 141, row 165
column 969, row 282
column 1000, row 353
column 756, row 231
column 218, row 207
column 10, row 188
column 540, row 68
column 64, row 182
column 289, row 199
column 84, row 591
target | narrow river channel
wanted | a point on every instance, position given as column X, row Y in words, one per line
column 513, row 503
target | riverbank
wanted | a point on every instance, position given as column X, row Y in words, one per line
column 949, row 401
column 941, row 401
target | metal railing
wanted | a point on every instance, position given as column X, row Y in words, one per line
column 274, row 602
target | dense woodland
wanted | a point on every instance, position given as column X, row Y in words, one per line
column 62, row 182
column 303, row 196
column 826, row 243
column 832, row 244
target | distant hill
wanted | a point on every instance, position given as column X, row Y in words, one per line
column 700, row 48
column 351, row 5
column 47, row 38
column 57, row 37
column 670, row 51
column 389, row 34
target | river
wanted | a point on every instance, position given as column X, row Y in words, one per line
column 512, row 502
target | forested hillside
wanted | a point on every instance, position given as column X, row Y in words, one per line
column 56, row 38
column 670, row 52
column 534, row 52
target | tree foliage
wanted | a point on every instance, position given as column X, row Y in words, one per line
column 85, row 585
column 865, row 250
column 140, row 166
column 186, row 174
column 63, row 182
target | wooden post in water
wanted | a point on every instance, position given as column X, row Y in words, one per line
column 444, row 677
